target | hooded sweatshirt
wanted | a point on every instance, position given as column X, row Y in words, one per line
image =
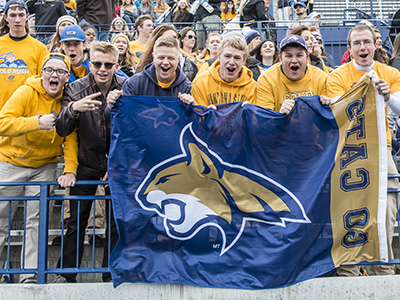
column 208, row 88
column 145, row 84
column 23, row 143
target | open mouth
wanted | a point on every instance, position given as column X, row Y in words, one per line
column 53, row 84
column 231, row 70
column 294, row 68
column 165, row 69
column 72, row 56
column 364, row 55
column 102, row 76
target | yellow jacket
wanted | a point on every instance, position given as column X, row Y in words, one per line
column 208, row 87
column 23, row 143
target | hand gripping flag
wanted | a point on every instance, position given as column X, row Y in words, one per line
column 245, row 197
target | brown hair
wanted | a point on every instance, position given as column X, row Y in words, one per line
column 256, row 52
column 298, row 30
column 204, row 53
column 125, row 27
column 182, row 35
column 4, row 29
column 396, row 48
column 139, row 21
column 359, row 28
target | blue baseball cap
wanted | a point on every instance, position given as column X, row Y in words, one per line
column 73, row 33
column 15, row 3
column 300, row 3
column 293, row 40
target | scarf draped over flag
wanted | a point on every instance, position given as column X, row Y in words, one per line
column 244, row 197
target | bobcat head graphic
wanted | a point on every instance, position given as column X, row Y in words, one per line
column 8, row 57
column 197, row 188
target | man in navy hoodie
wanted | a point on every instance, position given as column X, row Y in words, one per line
column 162, row 78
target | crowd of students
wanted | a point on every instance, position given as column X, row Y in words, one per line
column 60, row 96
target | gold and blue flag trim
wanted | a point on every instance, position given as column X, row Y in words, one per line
column 359, row 178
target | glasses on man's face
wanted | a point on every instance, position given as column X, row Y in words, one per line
column 98, row 65
column 358, row 44
column 190, row 36
column 59, row 72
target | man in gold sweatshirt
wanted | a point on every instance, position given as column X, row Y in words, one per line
column 30, row 149
column 227, row 80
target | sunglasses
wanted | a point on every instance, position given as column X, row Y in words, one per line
column 191, row 37
column 98, row 65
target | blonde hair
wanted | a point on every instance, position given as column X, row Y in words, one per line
column 125, row 27
column 105, row 48
column 252, row 45
column 205, row 51
column 166, row 41
column 234, row 42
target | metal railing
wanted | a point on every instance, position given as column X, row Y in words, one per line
column 333, row 32
column 43, row 268
column 44, row 198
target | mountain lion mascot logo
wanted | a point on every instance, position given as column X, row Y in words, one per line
column 197, row 188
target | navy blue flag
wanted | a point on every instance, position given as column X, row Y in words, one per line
column 239, row 197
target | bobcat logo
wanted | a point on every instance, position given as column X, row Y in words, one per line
column 8, row 57
column 197, row 189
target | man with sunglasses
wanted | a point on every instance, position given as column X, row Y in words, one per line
column 30, row 150
column 83, row 107
column 74, row 45
column 21, row 56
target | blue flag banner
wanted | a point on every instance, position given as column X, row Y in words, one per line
column 241, row 197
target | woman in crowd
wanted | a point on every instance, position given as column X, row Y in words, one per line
column 267, row 53
column 380, row 53
column 62, row 22
column 160, row 8
column 229, row 12
column 252, row 37
column 188, row 41
column 126, row 61
column 395, row 60
column 182, row 14
column 90, row 33
column 129, row 12
column 118, row 25
column 188, row 67
column 212, row 46
column 146, row 8
column 319, row 51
